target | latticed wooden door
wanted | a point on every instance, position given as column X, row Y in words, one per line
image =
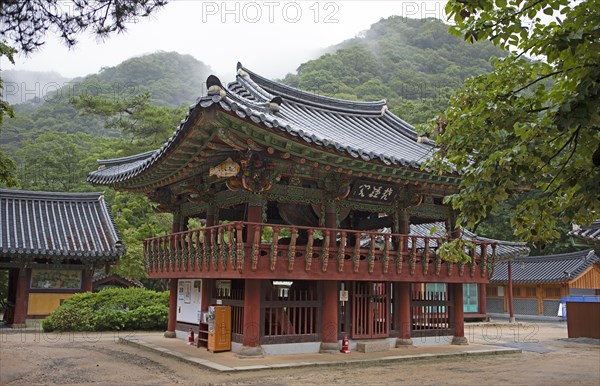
column 370, row 310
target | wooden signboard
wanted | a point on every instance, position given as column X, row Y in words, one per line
column 373, row 192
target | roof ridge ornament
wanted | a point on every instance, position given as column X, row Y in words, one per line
column 384, row 108
column 240, row 70
column 214, row 86
column 274, row 104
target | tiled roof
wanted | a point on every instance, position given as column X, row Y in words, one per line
column 363, row 130
column 590, row 233
column 505, row 250
column 546, row 269
column 101, row 279
column 57, row 225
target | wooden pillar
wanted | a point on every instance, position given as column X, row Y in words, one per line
column 403, row 291
column 482, row 298
column 404, row 229
column 252, row 295
column 87, row 279
column 539, row 294
column 254, row 215
column 210, row 216
column 205, row 296
column 21, row 298
column 510, row 295
column 330, row 307
column 173, row 284
column 172, row 321
column 459, row 315
column 252, row 311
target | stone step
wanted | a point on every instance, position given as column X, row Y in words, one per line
column 373, row 346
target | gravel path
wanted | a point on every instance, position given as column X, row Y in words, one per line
column 49, row 359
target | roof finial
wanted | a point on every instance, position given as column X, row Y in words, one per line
column 384, row 108
column 215, row 87
column 274, row 104
column 241, row 72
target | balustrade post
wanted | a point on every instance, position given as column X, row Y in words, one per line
column 197, row 262
column 425, row 257
column 274, row 245
column 342, row 252
column 292, row 250
column 239, row 229
column 230, row 247
column 309, row 248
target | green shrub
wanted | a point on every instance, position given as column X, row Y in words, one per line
column 111, row 309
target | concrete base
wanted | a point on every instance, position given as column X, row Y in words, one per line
column 401, row 342
column 251, row 352
column 170, row 334
column 511, row 319
column 460, row 341
column 329, row 348
column 373, row 346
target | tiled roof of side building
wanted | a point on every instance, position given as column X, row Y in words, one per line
column 57, row 225
column 505, row 250
column 362, row 130
column 546, row 269
column 589, row 233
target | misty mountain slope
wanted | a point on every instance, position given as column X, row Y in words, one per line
column 414, row 64
column 171, row 78
column 20, row 86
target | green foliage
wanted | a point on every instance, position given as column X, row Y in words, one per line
column 7, row 165
column 5, row 108
column 136, row 221
column 8, row 169
column 455, row 251
column 58, row 162
column 133, row 116
column 3, row 288
column 529, row 124
column 111, row 309
column 497, row 225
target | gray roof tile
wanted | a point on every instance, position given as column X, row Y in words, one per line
column 590, row 233
column 52, row 224
column 546, row 269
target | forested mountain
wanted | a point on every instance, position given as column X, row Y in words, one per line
column 414, row 64
column 171, row 79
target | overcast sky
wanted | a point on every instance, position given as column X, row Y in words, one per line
column 269, row 37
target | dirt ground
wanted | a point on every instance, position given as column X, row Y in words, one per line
column 28, row 358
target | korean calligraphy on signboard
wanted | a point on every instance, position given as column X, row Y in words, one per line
column 375, row 192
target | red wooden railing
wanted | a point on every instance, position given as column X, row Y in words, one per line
column 430, row 312
column 224, row 247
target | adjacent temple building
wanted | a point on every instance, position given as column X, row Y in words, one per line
column 51, row 243
column 318, row 221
